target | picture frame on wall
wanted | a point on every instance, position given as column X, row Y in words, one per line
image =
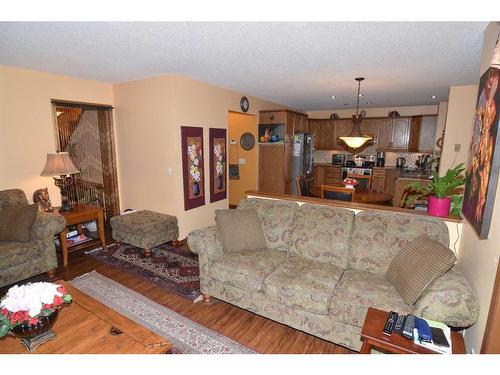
column 192, row 167
column 218, row 164
column 483, row 165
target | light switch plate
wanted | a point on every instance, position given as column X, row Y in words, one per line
column 458, row 146
column 233, row 142
column 242, row 161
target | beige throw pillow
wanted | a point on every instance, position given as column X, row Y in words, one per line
column 15, row 222
column 418, row 264
column 240, row 230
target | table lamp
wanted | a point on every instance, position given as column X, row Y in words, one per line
column 60, row 167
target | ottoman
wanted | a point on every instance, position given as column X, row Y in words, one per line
column 144, row 229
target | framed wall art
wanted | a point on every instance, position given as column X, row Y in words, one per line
column 218, row 164
column 484, row 156
column 192, row 167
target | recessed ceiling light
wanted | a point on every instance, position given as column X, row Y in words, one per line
column 360, row 95
column 332, row 97
column 346, row 104
column 433, row 97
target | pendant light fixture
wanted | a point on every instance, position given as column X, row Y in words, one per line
column 356, row 139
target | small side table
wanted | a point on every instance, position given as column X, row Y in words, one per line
column 78, row 215
column 372, row 335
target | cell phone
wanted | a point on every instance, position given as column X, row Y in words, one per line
column 439, row 338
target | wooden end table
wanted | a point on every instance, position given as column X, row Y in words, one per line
column 78, row 215
column 372, row 335
column 87, row 326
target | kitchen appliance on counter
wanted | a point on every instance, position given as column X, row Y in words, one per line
column 362, row 173
column 338, row 159
column 302, row 158
column 380, row 159
column 400, row 162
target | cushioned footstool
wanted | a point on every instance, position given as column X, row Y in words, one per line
column 144, row 229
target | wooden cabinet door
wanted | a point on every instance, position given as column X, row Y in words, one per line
column 319, row 175
column 299, row 123
column 384, row 134
column 333, row 175
column 315, row 129
column 378, row 179
column 342, row 128
column 400, row 134
column 427, row 139
column 275, row 117
column 391, row 175
column 370, row 127
column 328, row 134
column 287, row 168
column 414, row 138
column 271, row 168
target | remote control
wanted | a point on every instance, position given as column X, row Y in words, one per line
column 390, row 322
column 398, row 327
column 408, row 326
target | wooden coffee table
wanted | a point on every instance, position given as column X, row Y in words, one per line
column 87, row 326
column 372, row 335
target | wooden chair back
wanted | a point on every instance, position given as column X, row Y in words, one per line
column 303, row 185
column 364, row 181
column 339, row 193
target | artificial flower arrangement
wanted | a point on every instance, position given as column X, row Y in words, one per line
column 27, row 304
column 350, row 182
column 195, row 162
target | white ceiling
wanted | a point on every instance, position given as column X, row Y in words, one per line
column 299, row 64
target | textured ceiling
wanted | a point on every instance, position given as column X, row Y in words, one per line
column 299, row 64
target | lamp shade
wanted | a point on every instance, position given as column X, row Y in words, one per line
column 58, row 164
column 356, row 142
column 495, row 59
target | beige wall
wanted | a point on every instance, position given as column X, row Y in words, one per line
column 458, row 128
column 378, row 112
column 479, row 258
column 149, row 114
column 238, row 124
column 27, row 123
column 441, row 120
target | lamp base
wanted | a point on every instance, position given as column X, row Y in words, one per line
column 65, row 208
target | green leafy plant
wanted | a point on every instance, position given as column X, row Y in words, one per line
column 440, row 187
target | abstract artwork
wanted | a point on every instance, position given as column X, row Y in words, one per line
column 218, row 170
column 484, row 156
column 192, row 167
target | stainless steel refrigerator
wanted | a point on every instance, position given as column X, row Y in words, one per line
column 302, row 163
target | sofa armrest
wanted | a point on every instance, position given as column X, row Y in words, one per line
column 47, row 224
column 205, row 241
column 450, row 300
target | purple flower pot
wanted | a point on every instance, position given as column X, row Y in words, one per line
column 439, row 206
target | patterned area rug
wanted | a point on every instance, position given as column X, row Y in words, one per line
column 186, row 336
column 171, row 269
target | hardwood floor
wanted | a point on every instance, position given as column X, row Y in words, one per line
column 258, row 333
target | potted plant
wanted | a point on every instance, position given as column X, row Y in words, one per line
column 31, row 309
column 441, row 191
column 350, row 182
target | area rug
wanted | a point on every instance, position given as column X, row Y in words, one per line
column 186, row 336
column 170, row 268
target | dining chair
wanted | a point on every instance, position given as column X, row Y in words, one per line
column 364, row 181
column 303, row 185
column 339, row 193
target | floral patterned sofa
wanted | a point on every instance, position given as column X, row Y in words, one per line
column 323, row 268
column 21, row 260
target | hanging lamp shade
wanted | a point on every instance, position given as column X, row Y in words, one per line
column 495, row 59
column 356, row 139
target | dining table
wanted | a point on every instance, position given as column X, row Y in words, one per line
column 362, row 195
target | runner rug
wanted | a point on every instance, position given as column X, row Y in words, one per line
column 186, row 336
column 172, row 269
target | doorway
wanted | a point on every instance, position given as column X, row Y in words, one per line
column 85, row 131
column 242, row 163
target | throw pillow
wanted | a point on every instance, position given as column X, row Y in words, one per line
column 15, row 222
column 240, row 230
column 418, row 264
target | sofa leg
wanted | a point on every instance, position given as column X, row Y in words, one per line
column 206, row 298
column 148, row 252
column 52, row 274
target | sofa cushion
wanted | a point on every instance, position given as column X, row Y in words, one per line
column 276, row 218
column 322, row 233
column 240, row 230
column 358, row 290
column 303, row 284
column 419, row 263
column 246, row 269
column 14, row 253
column 15, row 222
column 12, row 197
column 378, row 236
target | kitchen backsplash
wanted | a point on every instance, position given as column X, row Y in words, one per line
column 322, row 156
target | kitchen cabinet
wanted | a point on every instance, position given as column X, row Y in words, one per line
column 298, row 121
column 293, row 122
column 415, row 129
column 271, row 168
column 384, row 179
column 319, row 175
column 393, row 134
column 327, row 175
column 427, row 139
column 343, row 128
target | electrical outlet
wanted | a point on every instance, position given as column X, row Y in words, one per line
column 242, row 161
column 169, row 171
column 233, row 142
column 458, row 147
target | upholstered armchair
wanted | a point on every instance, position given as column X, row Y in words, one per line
column 22, row 260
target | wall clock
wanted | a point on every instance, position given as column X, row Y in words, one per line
column 244, row 104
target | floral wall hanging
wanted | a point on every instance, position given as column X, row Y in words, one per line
column 192, row 167
column 218, row 169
